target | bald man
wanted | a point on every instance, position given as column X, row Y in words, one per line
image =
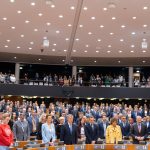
column 139, row 131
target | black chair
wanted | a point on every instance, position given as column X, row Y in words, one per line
column 120, row 142
column 142, row 142
column 100, row 142
column 61, row 143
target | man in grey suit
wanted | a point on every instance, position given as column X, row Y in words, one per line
column 21, row 129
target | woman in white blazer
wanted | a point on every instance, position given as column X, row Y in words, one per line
column 48, row 131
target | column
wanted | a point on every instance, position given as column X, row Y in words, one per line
column 17, row 72
column 74, row 71
column 130, row 77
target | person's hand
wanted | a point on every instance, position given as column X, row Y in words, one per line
column 51, row 143
column 93, row 142
column 141, row 138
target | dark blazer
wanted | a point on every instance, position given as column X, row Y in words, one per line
column 135, row 132
column 68, row 137
column 91, row 135
column 101, row 130
column 148, row 127
column 125, row 130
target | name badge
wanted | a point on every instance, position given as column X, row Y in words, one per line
column 99, row 147
column 60, row 148
column 141, row 147
column 120, row 147
column 79, row 147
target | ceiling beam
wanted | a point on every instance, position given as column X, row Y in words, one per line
column 74, row 29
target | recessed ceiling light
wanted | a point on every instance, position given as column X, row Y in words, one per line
column 93, row 18
column 27, row 21
column 98, row 40
column 87, row 45
column 77, row 39
column 60, row 16
column 85, row 51
column 53, row 50
column 67, row 39
column 39, row 59
column 123, row 26
column 22, row 35
column 85, row 8
column 12, row 1
column 31, row 43
column 95, row 61
column 32, row 4
column 6, row 46
column 35, row 30
column 40, row 14
column 113, row 18
column 89, row 33
column 69, row 25
column 30, row 48
column 111, row 33
column 133, row 33
column 119, row 61
column 145, row 8
column 72, row 7
column 53, row 6
column 65, row 50
column 19, row 11
column 145, row 25
column 63, row 60
column 8, row 40
column 15, row 57
column 97, row 51
column 121, row 40
column 48, row 23
column 144, row 51
column 80, row 25
column 4, row 18
column 132, row 51
column 104, row 9
column 132, row 46
column 120, row 51
column 18, row 47
column 13, row 27
column 133, row 18
column 144, row 61
column 57, row 31
column 101, row 26
column 108, row 51
column 109, row 45
column 54, row 44
column 74, row 50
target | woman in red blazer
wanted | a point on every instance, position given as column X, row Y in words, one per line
column 6, row 135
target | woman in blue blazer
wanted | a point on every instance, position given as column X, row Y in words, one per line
column 48, row 131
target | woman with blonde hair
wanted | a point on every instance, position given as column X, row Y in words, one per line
column 113, row 132
column 6, row 135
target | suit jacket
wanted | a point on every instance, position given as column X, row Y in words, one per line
column 48, row 134
column 101, row 130
column 113, row 134
column 148, row 127
column 66, row 135
column 125, row 129
column 21, row 130
column 135, row 132
column 91, row 134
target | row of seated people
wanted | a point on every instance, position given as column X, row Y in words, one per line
column 74, row 122
column 7, row 78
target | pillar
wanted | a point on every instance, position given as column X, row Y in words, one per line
column 74, row 71
column 130, row 77
column 17, row 72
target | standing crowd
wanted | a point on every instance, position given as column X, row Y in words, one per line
column 72, row 123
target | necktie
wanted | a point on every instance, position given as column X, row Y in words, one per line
column 70, row 128
column 139, row 127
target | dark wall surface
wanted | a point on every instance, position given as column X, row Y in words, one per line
column 95, row 92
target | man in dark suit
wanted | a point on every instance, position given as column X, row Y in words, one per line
column 147, row 123
column 125, row 127
column 102, row 127
column 69, row 132
column 91, row 131
column 139, row 131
